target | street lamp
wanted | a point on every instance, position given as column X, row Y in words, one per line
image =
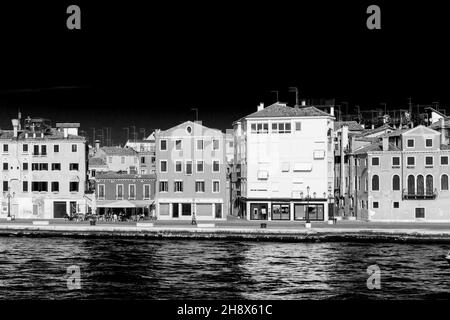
column 307, row 204
column 9, row 195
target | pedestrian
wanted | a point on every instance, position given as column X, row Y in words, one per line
column 194, row 221
column 114, row 217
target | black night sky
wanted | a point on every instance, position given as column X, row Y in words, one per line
column 147, row 66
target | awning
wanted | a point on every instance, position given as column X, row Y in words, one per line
column 123, row 203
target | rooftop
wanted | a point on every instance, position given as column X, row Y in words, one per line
column 352, row 125
column 51, row 134
column 118, row 175
column 377, row 146
column 118, row 151
column 96, row 161
column 281, row 110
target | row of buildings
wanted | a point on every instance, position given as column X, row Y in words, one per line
column 279, row 163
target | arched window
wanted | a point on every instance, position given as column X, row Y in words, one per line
column 420, row 185
column 411, row 184
column 395, row 183
column 444, row 182
column 375, row 183
column 429, row 184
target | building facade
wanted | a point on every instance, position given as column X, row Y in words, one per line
column 191, row 173
column 284, row 164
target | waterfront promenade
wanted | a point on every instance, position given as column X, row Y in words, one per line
column 236, row 229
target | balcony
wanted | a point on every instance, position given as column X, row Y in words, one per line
column 419, row 195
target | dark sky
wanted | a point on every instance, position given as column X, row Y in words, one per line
column 149, row 65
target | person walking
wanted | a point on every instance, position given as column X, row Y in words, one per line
column 194, row 220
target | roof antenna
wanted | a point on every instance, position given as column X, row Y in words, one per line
column 295, row 89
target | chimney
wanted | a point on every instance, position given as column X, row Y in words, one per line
column 373, row 126
column 15, row 124
column 303, row 103
column 385, row 143
column 66, row 133
column 96, row 145
column 261, row 106
column 442, row 130
column 332, row 110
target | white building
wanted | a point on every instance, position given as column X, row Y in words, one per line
column 284, row 163
column 43, row 170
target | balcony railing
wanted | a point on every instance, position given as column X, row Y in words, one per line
column 419, row 196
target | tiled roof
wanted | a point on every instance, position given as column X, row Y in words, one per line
column 437, row 125
column 281, row 110
column 376, row 130
column 96, row 161
column 378, row 146
column 118, row 151
column 352, row 125
column 53, row 134
column 395, row 133
column 117, row 175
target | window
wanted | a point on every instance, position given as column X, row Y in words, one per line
column 163, row 186
column 429, row 161
column 375, row 183
column 410, row 143
column 298, row 126
column 260, row 128
column 56, row 166
column 39, row 186
column 36, row 150
column 122, row 160
column 199, row 186
column 131, row 191
column 55, row 186
column 43, row 150
column 218, row 210
column 395, row 161
column 444, row 160
column 444, row 182
column 25, row 166
column 396, row 204
column 177, row 144
column 178, row 186
column 146, row 191
column 375, row 161
column 5, row 166
column 215, row 144
column 101, row 191
column 429, row 184
column 5, row 148
column 43, row 166
column 56, row 148
column 199, row 165
column 411, row 161
column 216, row 186
column 163, row 145
column 284, row 127
column 35, row 166
column 281, row 211
column 428, row 143
column 185, row 209
column 163, row 166
column 24, row 148
column 420, row 213
column 74, row 149
column 375, row 204
column 411, row 185
column 396, row 183
column 142, row 160
column 178, row 166
column 199, row 144
column 119, row 191
column 73, row 186
column 188, row 167
column 366, row 184
column 420, row 185
column 5, row 186
column 73, row 166
column 216, row 167
column 110, row 159
column 25, row 186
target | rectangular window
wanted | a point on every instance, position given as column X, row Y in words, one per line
column 163, row 186
column 200, row 166
column 142, row 160
column 396, row 205
column 411, row 161
column 56, row 166
column 55, row 186
column 74, row 149
column 410, row 143
column 5, row 148
column 199, row 144
column 119, row 191
column 43, row 166
column 188, row 167
column 73, row 166
column 199, row 186
column 36, row 150
column 185, row 209
column 281, row 212
column 429, row 161
column 146, row 191
column 178, row 166
column 215, row 144
column 298, row 126
column 178, row 186
column 25, row 166
column 253, row 128
column 25, row 186
column 5, row 185
column 428, row 143
column 35, row 166
column 25, row 148
column 395, row 161
column 122, row 160
column 216, row 167
column 163, row 166
column 43, row 150
column 420, row 213
column 101, row 191
column 132, row 191
column 216, row 186
column 73, row 186
column 39, row 186
column 177, row 144
column 375, row 204
column 163, row 145
column 444, row 160
column 56, row 148
column 375, row 161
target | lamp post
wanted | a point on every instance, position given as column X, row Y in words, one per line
column 307, row 204
column 9, row 195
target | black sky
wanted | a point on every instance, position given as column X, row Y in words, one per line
column 149, row 65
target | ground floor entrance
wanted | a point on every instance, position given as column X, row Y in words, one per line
column 185, row 210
